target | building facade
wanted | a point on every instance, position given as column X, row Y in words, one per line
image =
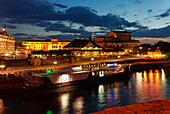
column 46, row 45
column 7, row 42
column 154, row 54
column 84, row 48
column 117, row 39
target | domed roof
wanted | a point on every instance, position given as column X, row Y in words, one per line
column 54, row 40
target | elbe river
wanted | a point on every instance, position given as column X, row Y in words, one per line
column 143, row 86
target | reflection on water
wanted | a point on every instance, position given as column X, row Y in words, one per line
column 64, row 101
column 142, row 87
column 151, row 85
column 1, row 103
column 78, row 105
column 1, row 106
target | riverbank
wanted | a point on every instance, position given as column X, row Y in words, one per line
column 152, row 107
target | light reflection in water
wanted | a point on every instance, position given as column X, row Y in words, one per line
column 152, row 90
column 1, row 106
column 101, row 96
column 78, row 105
column 64, row 100
column 116, row 93
column 139, row 86
column 1, row 103
column 163, row 75
column 163, row 83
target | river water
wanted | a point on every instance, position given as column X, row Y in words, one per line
column 143, row 86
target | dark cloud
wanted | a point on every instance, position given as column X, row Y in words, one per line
column 64, row 37
column 20, row 34
column 38, row 12
column 26, row 11
column 163, row 15
column 60, row 5
column 43, row 23
column 64, row 29
column 157, row 33
column 25, row 36
column 136, row 15
column 84, row 16
column 124, row 13
column 9, row 26
column 94, row 11
column 167, row 23
column 149, row 11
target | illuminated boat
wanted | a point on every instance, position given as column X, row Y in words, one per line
column 78, row 75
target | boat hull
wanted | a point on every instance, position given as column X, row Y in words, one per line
column 85, row 77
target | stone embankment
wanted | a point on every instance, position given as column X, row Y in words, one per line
column 153, row 107
column 11, row 83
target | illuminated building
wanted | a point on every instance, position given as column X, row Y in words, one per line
column 7, row 42
column 154, row 54
column 120, row 39
column 84, row 48
column 46, row 45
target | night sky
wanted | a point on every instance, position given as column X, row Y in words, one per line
column 148, row 20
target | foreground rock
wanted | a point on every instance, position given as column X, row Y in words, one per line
column 153, row 107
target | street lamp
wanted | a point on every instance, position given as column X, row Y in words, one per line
column 92, row 59
column 2, row 67
column 55, row 63
column 140, row 50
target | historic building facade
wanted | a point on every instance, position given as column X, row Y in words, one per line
column 115, row 39
column 84, row 48
column 46, row 45
column 7, row 42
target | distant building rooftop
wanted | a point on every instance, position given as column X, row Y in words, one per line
column 80, row 43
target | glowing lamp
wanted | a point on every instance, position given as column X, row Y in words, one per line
column 48, row 71
column 6, row 54
column 55, row 62
column 2, row 66
column 110, row 65
column 77, row 68
column 4, row 29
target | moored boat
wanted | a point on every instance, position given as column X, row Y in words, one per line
column 81, row 74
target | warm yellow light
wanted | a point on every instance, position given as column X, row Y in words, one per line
column 55, row 62
column 4, row 29
column 6, row 54
column 118, row 56
column 137, row 54
column 92, row 59
column 140, row 47
column 27, row 47
column 2, row 66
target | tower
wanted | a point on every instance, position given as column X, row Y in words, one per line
column 4, row 31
